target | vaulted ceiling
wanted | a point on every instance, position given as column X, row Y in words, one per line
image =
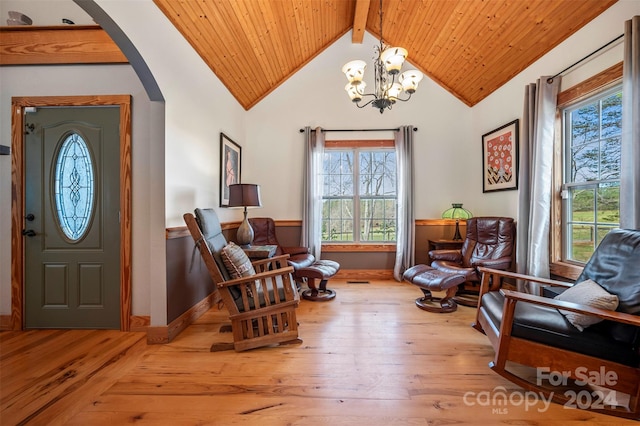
column 469, row 47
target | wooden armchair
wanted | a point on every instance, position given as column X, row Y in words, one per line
column 262, row 301
column 542, row 334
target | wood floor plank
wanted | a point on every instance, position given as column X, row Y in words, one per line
column 438, row 407
column 213, row 418
column 369, row 357
column 51, row 388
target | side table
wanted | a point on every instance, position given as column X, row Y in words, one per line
column 444, row 245
column 260, row 252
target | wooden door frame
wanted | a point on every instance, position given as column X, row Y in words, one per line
column 18, row 198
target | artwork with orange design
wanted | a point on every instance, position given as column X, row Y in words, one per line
column 499, row 158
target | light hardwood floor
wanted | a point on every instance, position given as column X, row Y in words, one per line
column 369, row 357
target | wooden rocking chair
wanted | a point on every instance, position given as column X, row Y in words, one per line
column 594, row 365
column 262, row 303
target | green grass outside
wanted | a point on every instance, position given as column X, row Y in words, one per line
column 347, row 236
column 584, row 238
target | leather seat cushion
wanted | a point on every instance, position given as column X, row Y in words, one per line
column 430, row 279
column 548, row 326
column 301, row 260
column 470, row 274
column 320, row 269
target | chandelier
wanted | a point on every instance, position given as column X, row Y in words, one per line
column 387, row 64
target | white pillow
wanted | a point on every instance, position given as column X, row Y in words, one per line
column 587, row 293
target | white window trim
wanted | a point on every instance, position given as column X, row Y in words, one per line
column 355, row 147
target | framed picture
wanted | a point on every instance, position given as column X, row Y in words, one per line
column 500, row 158
column 230, row 160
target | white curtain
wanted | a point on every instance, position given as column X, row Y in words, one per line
column 630, row 164
column 312, row 197
column 535, row 176
column 405, row 231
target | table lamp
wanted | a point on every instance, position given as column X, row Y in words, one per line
column 244, row 195
column 457, row 212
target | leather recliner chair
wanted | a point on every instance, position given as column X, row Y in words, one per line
column 264, row 229
column 306, row 268
column 489, row 242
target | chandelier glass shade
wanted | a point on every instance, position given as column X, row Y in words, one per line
column 387, row 65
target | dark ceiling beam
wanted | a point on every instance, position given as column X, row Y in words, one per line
column 360, row 20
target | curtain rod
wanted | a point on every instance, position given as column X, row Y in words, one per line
column 550, row 79
column 415, row 129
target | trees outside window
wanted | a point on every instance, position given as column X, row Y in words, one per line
column 591, row 186
column 359, row 202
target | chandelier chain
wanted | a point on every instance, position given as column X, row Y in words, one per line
column 381, row 42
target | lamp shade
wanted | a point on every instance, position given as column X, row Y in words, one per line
column 355, row 91
column 410, row 79
column 393, row 58
column 457, row 212
column 244, row 195
column 354, row 70
column 394, row 91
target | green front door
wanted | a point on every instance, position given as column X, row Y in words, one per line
column 72, row 233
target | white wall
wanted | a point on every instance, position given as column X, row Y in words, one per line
column 181, row 172
column 448, row 144
column 174, row 169
column 506, row 103
column 46, row 12
column 198, row 108
column 274, row 149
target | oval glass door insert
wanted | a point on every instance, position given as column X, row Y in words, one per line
column 74, row 187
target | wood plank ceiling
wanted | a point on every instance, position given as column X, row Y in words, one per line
column 470, row 47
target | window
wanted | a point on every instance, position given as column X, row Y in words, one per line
column 591, row 175
column 74, row 187
column 359, row 195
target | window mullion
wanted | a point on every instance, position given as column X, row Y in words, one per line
column 356, row 195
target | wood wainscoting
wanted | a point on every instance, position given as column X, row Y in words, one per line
column 166, row 334
column 139, row 322
column 190, row 291
column 5, row 322
column 364, row 274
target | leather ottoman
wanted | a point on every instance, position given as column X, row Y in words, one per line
column 429, row 279
column 321, row 270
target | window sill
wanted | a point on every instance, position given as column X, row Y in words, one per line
column 565, row 270
column 346, row 247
